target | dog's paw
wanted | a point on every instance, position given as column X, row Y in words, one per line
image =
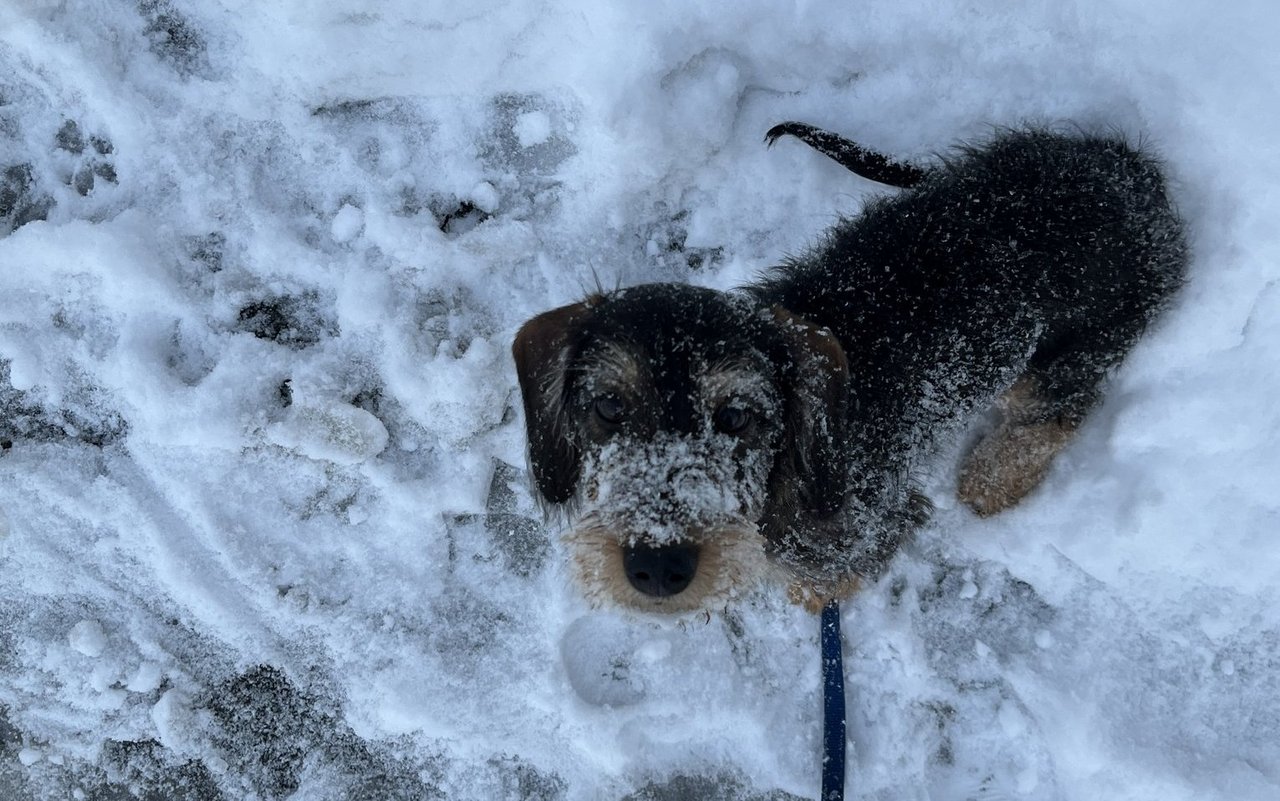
column 1009, row 463
column 813, row 594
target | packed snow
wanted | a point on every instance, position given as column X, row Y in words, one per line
column 265, row 526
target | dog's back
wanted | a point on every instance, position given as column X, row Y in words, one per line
column 1038, row 255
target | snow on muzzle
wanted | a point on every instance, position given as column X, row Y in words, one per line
column 669, row 524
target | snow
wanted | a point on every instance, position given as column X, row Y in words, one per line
column 701, row 482
column 532, row 128
column 146, row 678
column 88, row 638
column 331, row 432
column 265, row 530
column 347, row 223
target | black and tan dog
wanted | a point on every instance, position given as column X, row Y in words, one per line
column 691, row 433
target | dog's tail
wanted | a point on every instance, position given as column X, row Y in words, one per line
column 850, row 155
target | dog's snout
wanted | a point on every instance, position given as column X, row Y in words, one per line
column 660, row 571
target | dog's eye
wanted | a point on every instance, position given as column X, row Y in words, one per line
column 730, row 419
column 610, row 409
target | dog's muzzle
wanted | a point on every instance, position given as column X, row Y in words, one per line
column 667, row 525
column 660, row 571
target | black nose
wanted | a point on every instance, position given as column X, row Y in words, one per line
column 660, row 571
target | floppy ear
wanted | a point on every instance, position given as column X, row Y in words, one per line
column 810, row 480
column 541, row 351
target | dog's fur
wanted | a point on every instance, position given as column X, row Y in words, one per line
column 691, row 431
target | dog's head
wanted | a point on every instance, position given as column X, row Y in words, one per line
column 687, row 430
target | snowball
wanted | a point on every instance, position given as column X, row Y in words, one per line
column 88, row 638
column 347, row 223
column 485, row 197
column 23, row 373
column 173, row 719
column 532, row 128
column 597, row 659
column 29, row 756
column 102, row 677
column 145, row 679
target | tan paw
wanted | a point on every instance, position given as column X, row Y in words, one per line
column 814, row 594
column 1009, row 463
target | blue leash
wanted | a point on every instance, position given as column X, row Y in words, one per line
column 832, row 705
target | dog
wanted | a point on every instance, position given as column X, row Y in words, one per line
column 695, row 436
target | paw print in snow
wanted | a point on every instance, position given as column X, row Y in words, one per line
column 84, row 160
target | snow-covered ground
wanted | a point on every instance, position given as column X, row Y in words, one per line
column 265, row 529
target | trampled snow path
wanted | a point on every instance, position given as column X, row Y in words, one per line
column 264, row 526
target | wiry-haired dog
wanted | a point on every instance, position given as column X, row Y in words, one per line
column 692, row 432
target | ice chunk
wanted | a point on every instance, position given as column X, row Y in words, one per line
column 88, row 638
column 347, row 223
column 334, row 431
